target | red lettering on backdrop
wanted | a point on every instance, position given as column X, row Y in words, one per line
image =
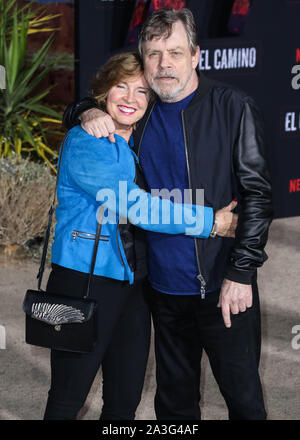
column 298, row 55
column 238, row 16
column 174, row 4
column 241, row 7
column 143, row 8
column 294, row 185
column 139, row 14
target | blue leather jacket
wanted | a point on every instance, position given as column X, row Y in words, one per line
column 90, row 175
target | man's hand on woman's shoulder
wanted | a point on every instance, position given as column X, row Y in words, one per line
column 98, row 123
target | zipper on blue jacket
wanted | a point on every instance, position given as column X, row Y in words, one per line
column 88, row 236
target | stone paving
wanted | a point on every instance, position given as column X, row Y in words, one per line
column 25, row 372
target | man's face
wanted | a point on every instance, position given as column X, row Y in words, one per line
column 169, row 66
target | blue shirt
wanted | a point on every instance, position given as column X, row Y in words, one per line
column 173, row 265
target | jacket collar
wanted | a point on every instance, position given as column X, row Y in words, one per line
column 204, row 85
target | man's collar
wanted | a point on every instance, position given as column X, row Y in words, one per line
column 204, row 85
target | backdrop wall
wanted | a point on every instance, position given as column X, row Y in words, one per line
column 256, row 49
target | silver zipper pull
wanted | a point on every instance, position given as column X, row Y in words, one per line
column 74, row 235
column 203, row 284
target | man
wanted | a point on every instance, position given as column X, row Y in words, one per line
column 203, row 295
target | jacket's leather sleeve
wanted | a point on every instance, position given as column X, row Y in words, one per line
column 255, row 204
column 75, row 109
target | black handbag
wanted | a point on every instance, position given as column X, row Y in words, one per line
column 59, row 321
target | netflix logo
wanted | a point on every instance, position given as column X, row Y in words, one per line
column 294, row 185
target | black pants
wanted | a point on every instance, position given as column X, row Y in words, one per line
column 124, row 327
column 187, row 325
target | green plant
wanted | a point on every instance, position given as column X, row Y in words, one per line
column 24, row 119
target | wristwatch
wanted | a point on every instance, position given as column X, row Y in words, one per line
column 214, row 230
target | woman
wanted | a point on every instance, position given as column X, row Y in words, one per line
column 95, row 172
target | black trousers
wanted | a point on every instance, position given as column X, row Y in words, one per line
column 187, row 325
column 124, row 326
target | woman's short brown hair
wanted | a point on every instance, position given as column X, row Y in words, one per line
column 117, row 69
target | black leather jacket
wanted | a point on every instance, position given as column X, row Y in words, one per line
column 226, row 156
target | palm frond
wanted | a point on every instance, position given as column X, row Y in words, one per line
column 24, row 119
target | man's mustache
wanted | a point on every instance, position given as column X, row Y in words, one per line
column 166, row 75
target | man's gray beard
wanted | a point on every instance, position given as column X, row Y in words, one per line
column 166, row 96
column 171, row 96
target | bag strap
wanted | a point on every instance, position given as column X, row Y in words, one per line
column 50, row 219
column 48, row 230
column 100, row 215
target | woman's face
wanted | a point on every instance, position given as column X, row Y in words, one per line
column 127, row 101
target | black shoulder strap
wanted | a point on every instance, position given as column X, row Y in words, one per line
column 48, row 230
column 100, row 215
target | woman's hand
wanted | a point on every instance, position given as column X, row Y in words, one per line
column 98, row 123
column 227, row 221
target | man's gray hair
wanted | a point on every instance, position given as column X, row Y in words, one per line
column 160, row 24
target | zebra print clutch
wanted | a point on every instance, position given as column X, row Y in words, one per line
column 60, row 322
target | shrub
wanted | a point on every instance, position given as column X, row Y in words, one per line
column 26, row 192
